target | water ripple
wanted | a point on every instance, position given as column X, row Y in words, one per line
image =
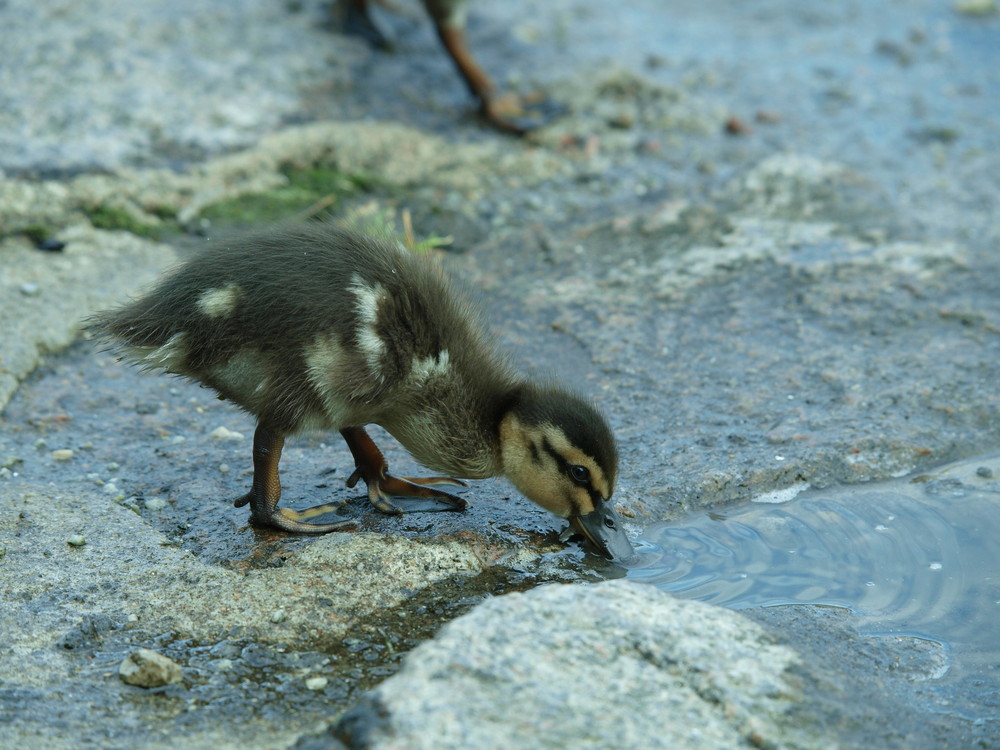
column 917, row 556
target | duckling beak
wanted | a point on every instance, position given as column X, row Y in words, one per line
column 602, row 527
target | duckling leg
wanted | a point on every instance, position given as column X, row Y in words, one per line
column 372, row 467
column 500, row 112
column 265, row 493
column 357, row 21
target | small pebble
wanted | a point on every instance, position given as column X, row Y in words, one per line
column 77, row 540
column 222, row 665
column 5, row 473
column 985, row 472
column 278, row 616
column 223, row 433
column 148, row 669
column 110, row 489
column 155, row 503
column 132, row 503
column 113, row 466
column 40, row 443
column 316, row 683
column 622, row 120
column 736, row 126
column 51, row 245
column 62, row 454
column 30, row 289
column 223, row 468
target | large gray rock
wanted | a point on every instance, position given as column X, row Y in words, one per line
column 615, row 664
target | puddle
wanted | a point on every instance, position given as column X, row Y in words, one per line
column 916, row 556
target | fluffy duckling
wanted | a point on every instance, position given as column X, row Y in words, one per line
column 506, row 113
column 316, row 327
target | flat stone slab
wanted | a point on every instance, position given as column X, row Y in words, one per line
column 763, row 238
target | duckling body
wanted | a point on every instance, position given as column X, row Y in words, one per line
column 313, row 327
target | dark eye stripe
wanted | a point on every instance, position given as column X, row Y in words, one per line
column 535, row 458
column 595, row 497
column 574, row 504
column 563, row 464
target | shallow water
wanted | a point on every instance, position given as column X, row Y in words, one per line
column 917, row 556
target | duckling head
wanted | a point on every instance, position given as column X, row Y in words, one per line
column 559, row 452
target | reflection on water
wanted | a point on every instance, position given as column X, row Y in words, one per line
column 916, row 556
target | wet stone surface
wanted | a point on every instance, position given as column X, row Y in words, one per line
column 224, row 679
column 763, row 238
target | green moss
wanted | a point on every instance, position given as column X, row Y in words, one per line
column 37, row 233
column 310, row 193
column 113, row 217
column 259, row 207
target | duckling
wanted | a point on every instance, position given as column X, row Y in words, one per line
column 506, row 113
column 317, row 327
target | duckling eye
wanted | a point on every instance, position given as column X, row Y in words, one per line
column 579, row 474
column 609, row 522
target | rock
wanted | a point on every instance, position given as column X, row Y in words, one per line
column 148, row 669
column 614, row 664
column 77, row 540
column 89, row 633
column 316, row 683
column 224, row 433
column 62, row 454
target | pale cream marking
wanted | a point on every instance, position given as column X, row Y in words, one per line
column 325, row 358
column 169, row 356
column 369, row 298
column 428, row 367
column 218, row 302
column 244, row 373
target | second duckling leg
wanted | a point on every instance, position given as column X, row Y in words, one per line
column 374, row 470
column 357, row 22
column 501, row 112
column 265, row 493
